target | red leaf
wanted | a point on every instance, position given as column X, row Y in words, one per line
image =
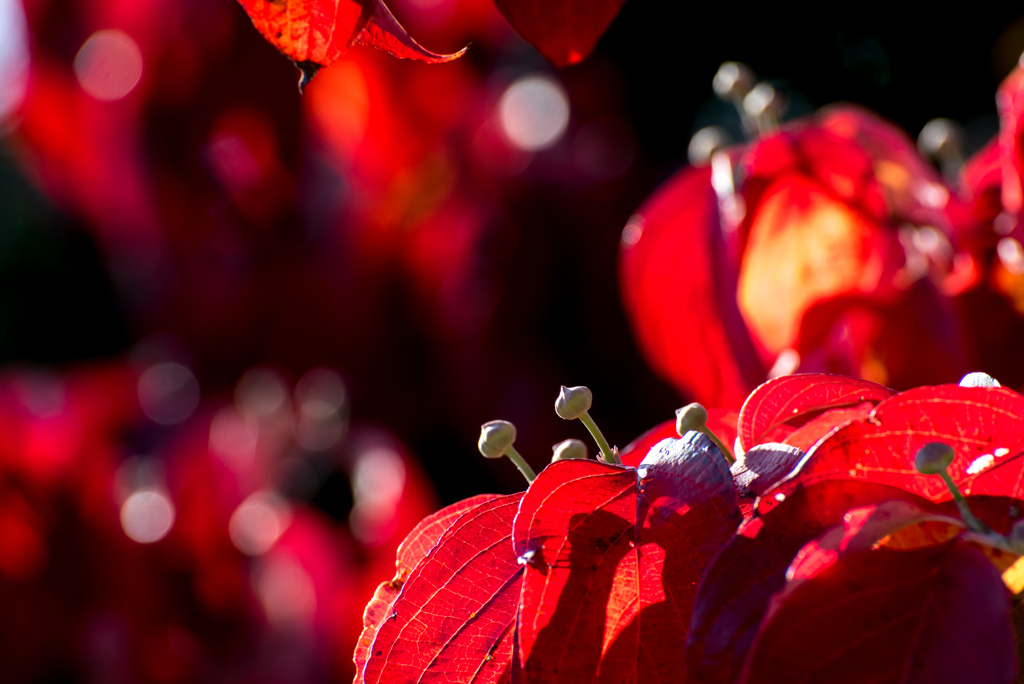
column 984, row 425
column 411, row 551
column 862, row 528
column 613, row 556
column 781, row 400
column 670, row 262
column 564, row 31
column 316, row 31
column 939, row 614
column 385, row 33
column 808, row 434
column 734, row 592
column 455, row 616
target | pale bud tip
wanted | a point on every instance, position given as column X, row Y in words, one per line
column 933, row 458
column 733, row 81
column 979, row 380
column 691, row 417
column 495, row 437
column 570, row 448
column 705, row 143
column 573, row 402
column 939, row 136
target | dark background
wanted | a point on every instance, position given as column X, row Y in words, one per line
column 559, row 319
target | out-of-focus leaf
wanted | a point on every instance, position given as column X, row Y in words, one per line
column 669, row 267
column 384, row 32
column 315, row 33
column 984, row 425
column 413, row 549
column 454, row 619
column 781, row 400
column 938, row 614
column 564, row 31
column 734, row 592
column 613, row 556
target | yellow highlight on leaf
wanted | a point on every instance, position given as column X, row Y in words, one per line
column 1013, row 578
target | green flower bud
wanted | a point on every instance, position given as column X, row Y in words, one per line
column 495, row 437
column 933, row 458
column 691, row 417
column 573, row 402
column 570, row 448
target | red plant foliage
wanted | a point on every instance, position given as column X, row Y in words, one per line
column 316, row 33
column 851, row 566
column 796, row 252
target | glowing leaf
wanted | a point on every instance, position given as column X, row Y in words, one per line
column 613, row 556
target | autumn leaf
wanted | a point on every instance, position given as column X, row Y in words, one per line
column 412, row 550
column 613, row 556
column 786, row 398
column 564, row 31
column 669, row 272
column 455, row 617
column 852, row 613
column 734, row 593
column 984, row 425
column 315, row 33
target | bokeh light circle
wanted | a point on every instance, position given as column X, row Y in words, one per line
column 534, row 112
column 108, row 65
column 147, row 516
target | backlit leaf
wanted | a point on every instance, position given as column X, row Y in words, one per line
column 783, row 399
column 985, row 426
column 454, row 619
column 564, row 31
column 613, row 556
column 412, row 550
column 315, row 33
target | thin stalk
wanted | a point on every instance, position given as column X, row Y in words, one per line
column 724, row 449
column 521, row 463
column 607, row 453
column 961, row 504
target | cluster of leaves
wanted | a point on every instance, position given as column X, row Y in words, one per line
column 839, row 563
column 315, row 33
column 830, row 244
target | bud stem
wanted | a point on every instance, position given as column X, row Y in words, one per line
column 718, row 443
column 521, row 463
column 961, row 503
column 608, row 455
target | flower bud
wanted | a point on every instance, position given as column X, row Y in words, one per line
column 573, row 402
column 705, row 143
column 979, row 380
column 495, row 437
column 939, row 137
column 691, row 417
column 570, row 448
column 933, row 458
column 733, row 81
column 762, row 99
